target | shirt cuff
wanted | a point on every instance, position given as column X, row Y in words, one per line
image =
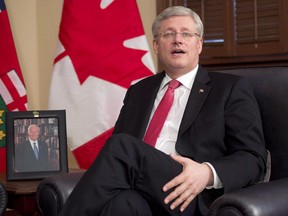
column 217, row 181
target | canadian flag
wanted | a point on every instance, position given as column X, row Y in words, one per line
column 12, row 87
column 102, row 50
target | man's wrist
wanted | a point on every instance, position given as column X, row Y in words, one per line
column 210, row 182
column 217, row 183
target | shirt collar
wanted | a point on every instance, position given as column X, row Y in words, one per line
column 186, row 80
column 31, row 141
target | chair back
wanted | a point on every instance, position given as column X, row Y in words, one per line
column 271, row 91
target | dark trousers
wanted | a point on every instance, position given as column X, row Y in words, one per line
column 126, row 179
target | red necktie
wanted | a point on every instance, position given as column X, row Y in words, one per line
column 160, row 114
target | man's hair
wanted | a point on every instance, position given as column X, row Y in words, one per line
column 33, row 125
column 177, row 11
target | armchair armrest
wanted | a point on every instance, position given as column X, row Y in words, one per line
column 264, row 199
column 53, row 192
column 3, row 199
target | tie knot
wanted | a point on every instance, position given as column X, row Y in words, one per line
column 174, row 84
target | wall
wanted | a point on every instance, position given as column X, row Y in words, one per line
column 35, row 26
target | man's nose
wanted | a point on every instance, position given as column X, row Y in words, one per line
column 178, row 39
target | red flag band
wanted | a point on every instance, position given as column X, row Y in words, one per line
column 12, row 87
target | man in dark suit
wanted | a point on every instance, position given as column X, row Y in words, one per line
column 211, row 142
column 32, row 155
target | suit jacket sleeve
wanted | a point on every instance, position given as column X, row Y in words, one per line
column 244, row 160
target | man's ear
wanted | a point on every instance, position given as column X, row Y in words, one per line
column 200, row 45
column 155, row 46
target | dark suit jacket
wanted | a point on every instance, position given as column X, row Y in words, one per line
column 221, row 125
column 25, row 160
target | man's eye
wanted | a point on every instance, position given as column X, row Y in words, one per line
column 168, row 35
column 186, row 34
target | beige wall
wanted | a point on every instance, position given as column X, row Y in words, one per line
column 35, row 25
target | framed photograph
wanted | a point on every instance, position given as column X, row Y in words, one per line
column 36, row 144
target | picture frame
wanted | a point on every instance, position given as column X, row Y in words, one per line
column 46, row 129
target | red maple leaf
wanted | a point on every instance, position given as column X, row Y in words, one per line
column 94, row 37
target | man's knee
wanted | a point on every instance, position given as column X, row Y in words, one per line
column 122, row 142
column 127, row 202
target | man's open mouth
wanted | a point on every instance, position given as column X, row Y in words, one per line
column 178, row 51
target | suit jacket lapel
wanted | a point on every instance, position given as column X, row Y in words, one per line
column 199, row 93
column 147, row 102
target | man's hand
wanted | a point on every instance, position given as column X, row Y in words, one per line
column 191, row 181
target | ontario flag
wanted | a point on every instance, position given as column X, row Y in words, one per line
column 12, row 88
column 102, row 50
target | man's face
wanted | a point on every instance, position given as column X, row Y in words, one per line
column 178, row 54
column 33, row 133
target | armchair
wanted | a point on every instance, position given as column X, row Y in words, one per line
column 262, row 199
column 271, row 90
column 3, row 199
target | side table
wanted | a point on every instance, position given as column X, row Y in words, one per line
column 21, row 195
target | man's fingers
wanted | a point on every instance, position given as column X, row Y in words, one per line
column 179, row 195
column 173, row 183
column 187, row 185
column 187, row 202
column 178, row 158
column 174, row 194
column 178, row 179
column 184, row 200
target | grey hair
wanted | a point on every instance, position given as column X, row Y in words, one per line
column 33, row 125
column 178, row 11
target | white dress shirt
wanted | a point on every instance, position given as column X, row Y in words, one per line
column 32, row 143
column 168, row 135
